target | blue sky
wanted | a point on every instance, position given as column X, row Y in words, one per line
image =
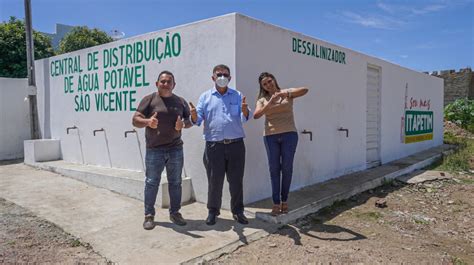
column 423, row 35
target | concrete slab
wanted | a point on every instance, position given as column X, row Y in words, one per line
column 42, row 150
column 126, row 182
column 422, row 176
column 112, row 223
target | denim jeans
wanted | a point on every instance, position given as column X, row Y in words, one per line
column 281, row 150
column 156, row 160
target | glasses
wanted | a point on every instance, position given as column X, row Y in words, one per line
column 222, row 74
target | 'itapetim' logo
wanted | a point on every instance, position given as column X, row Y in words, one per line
column 418, row 126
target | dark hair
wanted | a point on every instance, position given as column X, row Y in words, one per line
column 221, row 67
column 165, row 72
column 262, row 92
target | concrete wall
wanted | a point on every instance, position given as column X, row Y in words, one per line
column 457, row 84
column 420, row 87
column 203, row 45
column 14, row 118
column 337, row 98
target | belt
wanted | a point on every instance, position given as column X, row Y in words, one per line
column 227, row 141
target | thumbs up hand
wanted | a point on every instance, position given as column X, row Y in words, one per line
column 193, row 112
column 245, row 109
column 179, row 124
column 153, row 121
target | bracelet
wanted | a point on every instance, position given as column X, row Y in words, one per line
column 289, row 94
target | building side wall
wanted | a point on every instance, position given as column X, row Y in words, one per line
column 14, row 117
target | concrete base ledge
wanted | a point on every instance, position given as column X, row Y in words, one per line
column 42, row 150
column 229, row 248
column 126, row 182
column 347, row 186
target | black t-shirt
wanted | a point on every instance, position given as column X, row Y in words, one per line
column 167, row 109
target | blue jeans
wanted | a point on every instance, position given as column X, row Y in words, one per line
column 156, row 160
column 281, row 150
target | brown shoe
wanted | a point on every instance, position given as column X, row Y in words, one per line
column 284, row 207
column 275, row 210
column 177, row 218
column 149, row 222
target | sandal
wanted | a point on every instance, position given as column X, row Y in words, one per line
column 275, row 210
column 284, row 207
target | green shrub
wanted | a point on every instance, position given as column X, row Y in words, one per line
column 459, row 160
column 461, row 112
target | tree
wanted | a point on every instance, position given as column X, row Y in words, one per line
column 13, row 48
column 81, row 38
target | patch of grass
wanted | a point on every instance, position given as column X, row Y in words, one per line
column 470, row 128
column 333, row 207
column 316, row 220
column 458, row 261
column 466, row 181
column 421, row 222
column 369, row 216
column 450, row 138
column 75, row 243
column 459, row 160
column 435, row 166
column 387, row 182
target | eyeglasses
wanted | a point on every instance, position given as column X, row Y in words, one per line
column 222, row 74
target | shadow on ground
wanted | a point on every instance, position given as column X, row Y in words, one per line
column 316, row 225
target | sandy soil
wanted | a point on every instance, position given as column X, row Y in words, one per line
column 26, row 238
column 425, row 223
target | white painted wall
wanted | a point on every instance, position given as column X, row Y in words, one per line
column 420, row 86
column 337, row 98
column 204, row 45
column 14, row 118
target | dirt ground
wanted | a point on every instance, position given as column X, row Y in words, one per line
column 26, row 238
column 424, row 223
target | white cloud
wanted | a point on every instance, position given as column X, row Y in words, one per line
column 426, row 9
column 396, row 15
column 411, row 10
column 385, row 7
column 380, row 22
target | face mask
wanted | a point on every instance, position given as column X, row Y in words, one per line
column 222, row 81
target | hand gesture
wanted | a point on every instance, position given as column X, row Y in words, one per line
column 283, row 94
column 275, row 98
column 153, row 121
column 245, row 107
column 179, row 124
column 193, row 112
column 244, row 103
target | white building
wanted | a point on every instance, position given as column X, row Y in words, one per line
column 360, row 111
column 58, row 35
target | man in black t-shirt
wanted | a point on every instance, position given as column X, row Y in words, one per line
column 164, row 115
